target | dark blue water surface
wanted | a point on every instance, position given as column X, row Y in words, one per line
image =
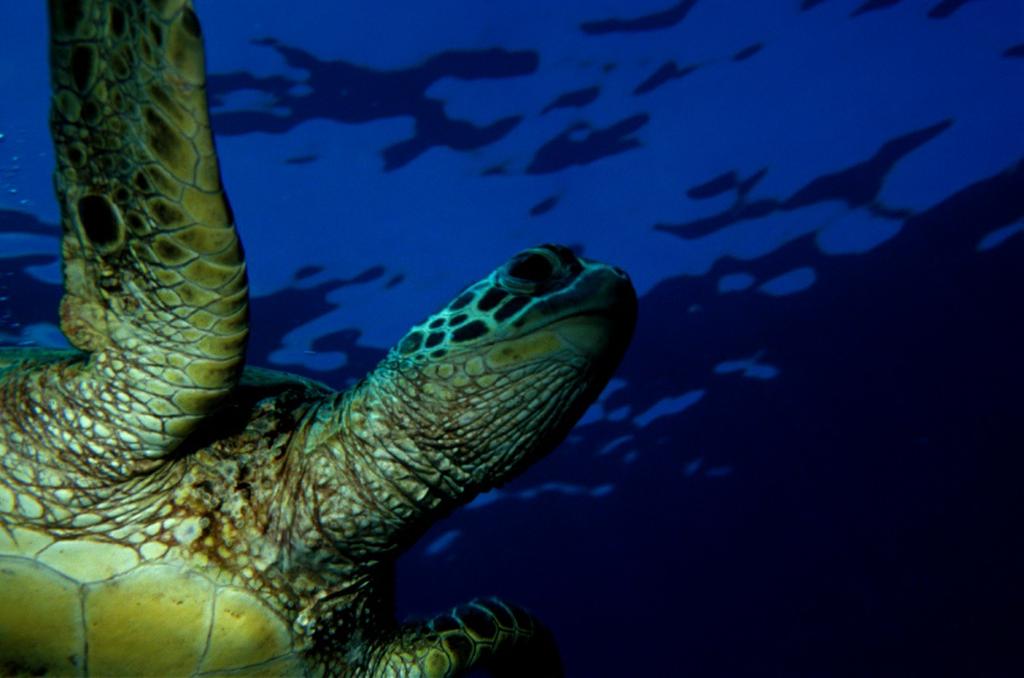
column 811, row 460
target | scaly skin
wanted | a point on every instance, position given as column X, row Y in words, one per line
column 159, row 516
column 154, row 282
column 432, row 427
column 305, row 498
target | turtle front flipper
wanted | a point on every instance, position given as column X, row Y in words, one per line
column 154, row 278
column 485, row 634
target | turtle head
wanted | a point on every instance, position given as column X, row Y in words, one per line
column 488, row 384
column 512, row 362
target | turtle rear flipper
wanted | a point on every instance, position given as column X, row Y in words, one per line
column 154, row 278
column 486, row 634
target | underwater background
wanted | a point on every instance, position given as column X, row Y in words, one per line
column 810, row 462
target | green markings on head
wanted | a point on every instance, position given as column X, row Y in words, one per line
column 491, row 299
column 471, row 330
column 411, row 343
column 494, row 307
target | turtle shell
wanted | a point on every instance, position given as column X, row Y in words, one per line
column 125, row 604
column 91, row 607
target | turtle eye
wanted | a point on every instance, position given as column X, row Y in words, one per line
column 532, row 267
column 532, row 271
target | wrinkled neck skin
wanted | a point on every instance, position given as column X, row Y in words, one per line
column 378, row 464
column 415, row 440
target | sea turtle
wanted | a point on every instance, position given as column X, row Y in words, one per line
column 165, row 512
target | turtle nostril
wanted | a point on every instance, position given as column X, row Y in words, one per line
column 532, row 267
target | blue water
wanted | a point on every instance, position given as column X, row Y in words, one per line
column 810, row 461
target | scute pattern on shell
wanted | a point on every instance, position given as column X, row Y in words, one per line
column 97, row 608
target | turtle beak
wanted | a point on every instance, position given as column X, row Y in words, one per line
column 605, row 321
